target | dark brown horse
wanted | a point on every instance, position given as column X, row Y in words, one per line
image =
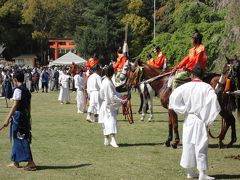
column 226, row 100
column 225, row 85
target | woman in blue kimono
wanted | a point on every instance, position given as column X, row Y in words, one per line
column 20, row 130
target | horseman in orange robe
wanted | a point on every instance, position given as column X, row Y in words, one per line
column 121, row 60
column 92, row 61
column 118, row 65
column 150, row 60
column 160, row 62
column 196, row 55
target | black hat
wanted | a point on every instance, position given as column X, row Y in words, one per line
column 155, row 47
column 109, row 71
column 197, row 36
column 197, row 70
column 96, row 67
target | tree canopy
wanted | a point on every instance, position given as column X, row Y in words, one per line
column 99, row 27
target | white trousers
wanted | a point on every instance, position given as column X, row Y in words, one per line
column 195, row 156
column 94, row 103
column 81, row 100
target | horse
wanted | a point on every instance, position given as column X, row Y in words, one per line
column 145, row 90
column 226, row 100
column 123, row 87
column 224, row 85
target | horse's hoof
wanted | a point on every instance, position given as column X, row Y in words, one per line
column 167, row 143
column 221, row 145
column 230, row 144
column 174, row 146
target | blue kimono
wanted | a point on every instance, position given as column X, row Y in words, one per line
column 20, row 131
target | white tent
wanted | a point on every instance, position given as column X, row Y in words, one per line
column 68, row 59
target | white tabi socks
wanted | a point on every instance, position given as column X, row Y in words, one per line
column 113, row 142
column 191, row 174
column 106, row 141
column 204, row 176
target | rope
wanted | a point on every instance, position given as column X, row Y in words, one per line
column 156, row 77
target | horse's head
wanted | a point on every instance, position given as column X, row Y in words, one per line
column 232, row 68
column 230, row 78
column 136, row 76
column 126, row 68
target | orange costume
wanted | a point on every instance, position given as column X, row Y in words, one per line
column 121, row 60
column 151, row 62
column 91, row 62
column 196, row 55
column 160, row 61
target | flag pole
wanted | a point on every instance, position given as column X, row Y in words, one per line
column 154, row 20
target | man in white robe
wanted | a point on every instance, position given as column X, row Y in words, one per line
column 80, row 84
column 111, row 101
column 93, row 87
column 198, row 101
column 64, row 95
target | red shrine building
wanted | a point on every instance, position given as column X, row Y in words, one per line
column 61, row 46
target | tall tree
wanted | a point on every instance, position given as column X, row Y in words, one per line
column 139, row 25
column 100, row 31
column 13, row 33
column 41, row 14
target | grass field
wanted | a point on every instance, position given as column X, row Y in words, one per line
column 66, row 146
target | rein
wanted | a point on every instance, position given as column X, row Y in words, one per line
column 156, row 77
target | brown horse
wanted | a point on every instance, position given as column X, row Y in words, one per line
column 226, row 100
column 228, row 82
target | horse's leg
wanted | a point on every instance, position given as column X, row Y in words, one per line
column 141, row 103
column 144, row 106
column 228, row 118
column 233, row 130
column 150, row 105
column 174, row 119
column 164, row 98
column 170, row 130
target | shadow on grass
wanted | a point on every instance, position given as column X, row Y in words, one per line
column 224, row 147
column 226, row 176
column 140, row 144
column 4, row 112
column 62, row 167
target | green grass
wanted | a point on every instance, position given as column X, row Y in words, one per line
column 66, row 146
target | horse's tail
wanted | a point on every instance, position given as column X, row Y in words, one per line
column 146, row 92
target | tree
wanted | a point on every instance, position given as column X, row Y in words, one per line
column 139, row 25
column 13, row 33
column 185, row 18
column 100, row 30
column 41, row 14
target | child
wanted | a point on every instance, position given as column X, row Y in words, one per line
column 20, row 131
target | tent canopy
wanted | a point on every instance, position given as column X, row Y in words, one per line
column 68, row 59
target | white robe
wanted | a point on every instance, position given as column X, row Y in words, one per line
column 198, row 101
column 108, row 111
column 64, row 95
column 93, row 88
column 80, row 83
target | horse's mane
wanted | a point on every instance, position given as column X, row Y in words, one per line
column 207, row 77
